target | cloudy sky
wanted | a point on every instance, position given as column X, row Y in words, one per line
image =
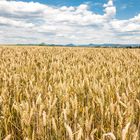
column 70, row 21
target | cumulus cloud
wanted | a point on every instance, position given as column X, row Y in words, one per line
column 33, row 22
column 110, row 9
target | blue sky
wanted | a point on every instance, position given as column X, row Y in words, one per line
column 70, row 21
column 125, row 8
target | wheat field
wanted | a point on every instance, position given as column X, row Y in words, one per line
column 58, row 93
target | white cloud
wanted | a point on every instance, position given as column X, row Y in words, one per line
column 11, row 22
column 32, row 22
column 109, row 4
column 110, row 9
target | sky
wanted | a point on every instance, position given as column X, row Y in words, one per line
column 69, row 21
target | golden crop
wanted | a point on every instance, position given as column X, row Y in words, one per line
column 69, row 93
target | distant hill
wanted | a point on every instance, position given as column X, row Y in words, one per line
column 87, row 45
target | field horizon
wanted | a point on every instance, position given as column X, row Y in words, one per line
column 105, row 45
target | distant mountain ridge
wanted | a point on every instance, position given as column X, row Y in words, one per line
column 106, row 45
column 98, row 45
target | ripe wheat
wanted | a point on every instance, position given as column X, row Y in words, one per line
column 69, row 93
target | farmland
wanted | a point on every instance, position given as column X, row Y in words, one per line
column 58, row 93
